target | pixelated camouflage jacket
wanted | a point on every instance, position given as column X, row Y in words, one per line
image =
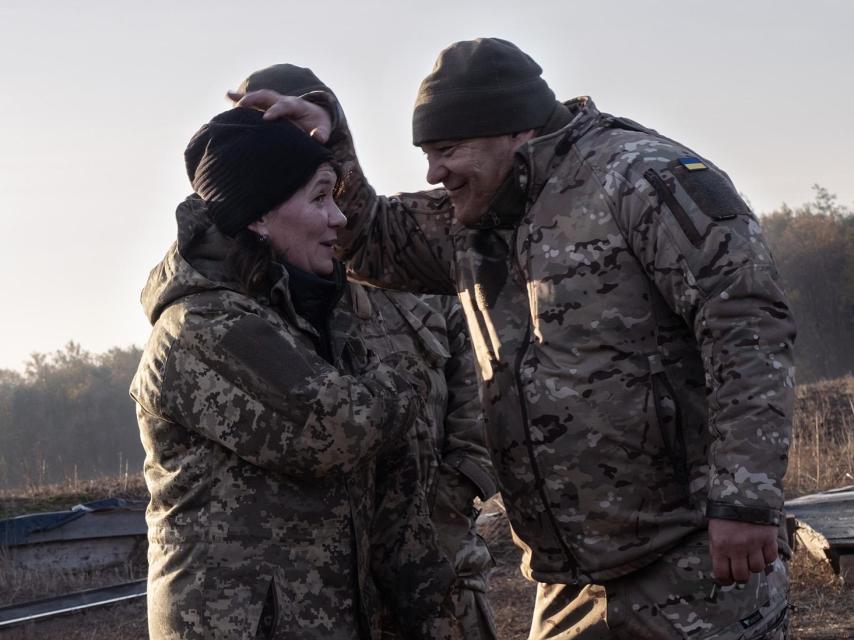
column 260, row 461
column 454, row 462
column 634, row 346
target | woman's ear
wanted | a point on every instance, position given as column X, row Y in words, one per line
column 259, row 226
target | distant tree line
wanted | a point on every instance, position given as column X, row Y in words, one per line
column 69, row 414
column 813, row 246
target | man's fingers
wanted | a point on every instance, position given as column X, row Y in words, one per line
column 234, row 96
column 321, row 134
column 297, row 110
column 721, row 569
column 739, row 569
column 756, row 562
column 769, row 551
column 262, row 99
column 311, row 118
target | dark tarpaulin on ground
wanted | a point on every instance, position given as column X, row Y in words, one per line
column 15, row 531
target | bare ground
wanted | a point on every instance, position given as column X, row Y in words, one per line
column 823, row 606
column 822, row 457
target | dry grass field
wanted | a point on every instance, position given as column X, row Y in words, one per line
column 822, row 457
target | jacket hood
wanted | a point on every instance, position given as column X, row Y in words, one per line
column 194, row 263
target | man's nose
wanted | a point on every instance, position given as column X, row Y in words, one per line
column 436, row 171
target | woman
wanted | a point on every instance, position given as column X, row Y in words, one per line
column 260, row 413
column 454, row 464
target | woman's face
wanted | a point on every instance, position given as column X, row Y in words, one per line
column 303, row 229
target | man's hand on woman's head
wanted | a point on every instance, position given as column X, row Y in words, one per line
column 310, row 117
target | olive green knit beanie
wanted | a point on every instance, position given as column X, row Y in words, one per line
column 478, row 88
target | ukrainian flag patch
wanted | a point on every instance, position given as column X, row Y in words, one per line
column 692, row 164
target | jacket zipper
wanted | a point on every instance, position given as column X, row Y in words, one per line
column 674, row 441
column 682, row 217
column 572, row 562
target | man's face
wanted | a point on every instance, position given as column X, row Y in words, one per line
column 472, row 170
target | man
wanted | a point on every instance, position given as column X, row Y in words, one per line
column 454, row 463
column 633, row 345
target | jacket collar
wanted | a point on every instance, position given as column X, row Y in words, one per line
column 540, row 154
column 534, row 162
column 299, row 295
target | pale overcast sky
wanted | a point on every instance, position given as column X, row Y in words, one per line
column 102, row 96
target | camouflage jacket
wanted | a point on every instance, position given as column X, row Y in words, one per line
column 634, row 347
column 260, row 459
column 454, row 463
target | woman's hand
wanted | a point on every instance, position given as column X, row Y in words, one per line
column 311, row 118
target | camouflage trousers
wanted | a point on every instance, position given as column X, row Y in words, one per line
column 675, row 597
column 469, row 618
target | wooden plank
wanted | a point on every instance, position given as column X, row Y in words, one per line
column 831, row 513
column 97, row 524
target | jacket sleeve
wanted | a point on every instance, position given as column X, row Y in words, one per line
column 410, row 568
column 464, row 449
column 247, row 385
column 704, row 251
column 466, row 470
column 401, row 242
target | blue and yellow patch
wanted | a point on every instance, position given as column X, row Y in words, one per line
column 692, row 164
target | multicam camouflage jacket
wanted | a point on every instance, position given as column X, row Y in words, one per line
column 634, row 346
column 454, row 463
column 260, row 461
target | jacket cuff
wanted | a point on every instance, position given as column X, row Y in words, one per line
column 475, row 474
column 754, row 515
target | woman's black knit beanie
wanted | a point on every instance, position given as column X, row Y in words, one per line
column 243, row 166
column 479, row 88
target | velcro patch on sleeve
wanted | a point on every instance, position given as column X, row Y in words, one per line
column 713, row 194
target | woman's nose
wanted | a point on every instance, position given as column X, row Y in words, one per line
column 336, row 217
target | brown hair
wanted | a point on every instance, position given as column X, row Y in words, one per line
column 249, row 261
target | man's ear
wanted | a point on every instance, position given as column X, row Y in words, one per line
column 521, row 137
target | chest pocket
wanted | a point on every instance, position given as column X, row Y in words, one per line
column 697, row 195
column 435, row 353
